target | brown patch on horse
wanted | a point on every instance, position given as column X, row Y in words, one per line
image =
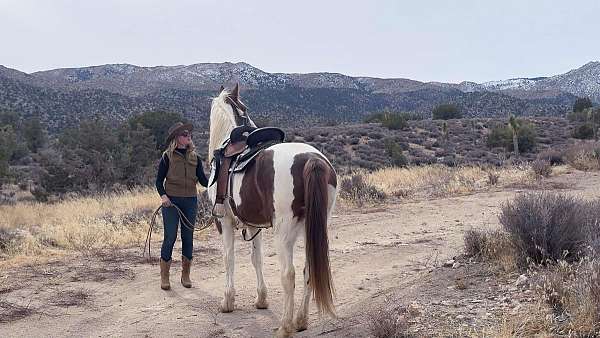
column 298, row 207
column 256, row 193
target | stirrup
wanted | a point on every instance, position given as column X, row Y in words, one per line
column 218, row 210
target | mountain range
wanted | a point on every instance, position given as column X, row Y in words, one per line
column 60, row 97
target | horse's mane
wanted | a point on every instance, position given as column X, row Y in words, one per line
column 221, row 122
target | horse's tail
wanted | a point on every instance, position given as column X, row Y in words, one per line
column 316, row 172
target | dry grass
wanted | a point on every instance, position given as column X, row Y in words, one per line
column 573, row 293
column 554, row 236
column 584, row 156
column 389, row 321
column 534, row 320
column 541, row 168
column 10, row 311
column 68, row 298
column 439, row 181
column 568, row 304
column 84, row 223
column 495, row 246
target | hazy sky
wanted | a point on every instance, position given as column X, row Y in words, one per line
column 476, row 40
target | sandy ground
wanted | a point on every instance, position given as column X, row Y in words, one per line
column 393, row 252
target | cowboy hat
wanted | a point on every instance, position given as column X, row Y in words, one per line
column 177, row 128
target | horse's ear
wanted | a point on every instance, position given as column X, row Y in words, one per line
column 221, row 89
column 236, row 91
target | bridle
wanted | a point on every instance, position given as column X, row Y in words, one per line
column 241, row 119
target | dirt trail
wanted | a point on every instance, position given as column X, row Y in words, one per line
column 373, row 251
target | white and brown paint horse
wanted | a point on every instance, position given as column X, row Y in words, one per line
column 293, row 187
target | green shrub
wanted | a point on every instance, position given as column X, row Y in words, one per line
column 8, row 142
column 34, row 134
column 394, row 151
column 446, row 112
column 158, row 122
column 584, row 132
column 381, row 116
column 582, row 103
column 95, row 156
column 527, row 137
column 578, row 116
column 9, row 118
column 502, row 137
column 393, row 121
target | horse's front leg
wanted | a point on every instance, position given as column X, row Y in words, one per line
column 229, row 259
column 287, row 238
column 257, row 261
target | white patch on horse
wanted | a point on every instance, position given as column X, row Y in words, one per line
column 283, row 194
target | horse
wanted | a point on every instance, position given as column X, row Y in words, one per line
column 290, row 186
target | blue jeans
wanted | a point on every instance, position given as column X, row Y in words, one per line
column 189, row 207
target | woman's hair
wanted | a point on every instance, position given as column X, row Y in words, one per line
column 171, row 147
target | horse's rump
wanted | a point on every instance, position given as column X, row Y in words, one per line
column 298, row 167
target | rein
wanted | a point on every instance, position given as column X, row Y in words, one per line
column 240, row 119
column 184, row 221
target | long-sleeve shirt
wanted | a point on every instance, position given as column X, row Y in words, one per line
column 163, row 168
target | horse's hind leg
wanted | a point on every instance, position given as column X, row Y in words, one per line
column 301, row 320
column 229, row 259
column 287, row 239
column 257, row 261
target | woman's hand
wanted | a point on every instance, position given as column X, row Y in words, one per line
column 166, row 202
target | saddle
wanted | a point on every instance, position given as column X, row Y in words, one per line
column 238, row 153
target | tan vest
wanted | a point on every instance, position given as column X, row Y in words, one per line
column 181, row 177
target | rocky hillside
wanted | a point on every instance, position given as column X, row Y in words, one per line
column 115, row 91
column 582, row 82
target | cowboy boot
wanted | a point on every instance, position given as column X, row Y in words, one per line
column 164, row 274
column 185, row 272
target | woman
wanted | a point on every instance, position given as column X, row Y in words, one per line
column 179, row 171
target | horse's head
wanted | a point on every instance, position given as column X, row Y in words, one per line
column 233, row 106
column 227, row 111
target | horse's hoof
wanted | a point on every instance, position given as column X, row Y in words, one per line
column 225, row 307
column 282, row 333
column 261, row 304
column 301, row 323
column 228, row 302
column 261, row 300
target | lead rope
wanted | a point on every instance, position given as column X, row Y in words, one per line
column 251, row 238
column 184, row 221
